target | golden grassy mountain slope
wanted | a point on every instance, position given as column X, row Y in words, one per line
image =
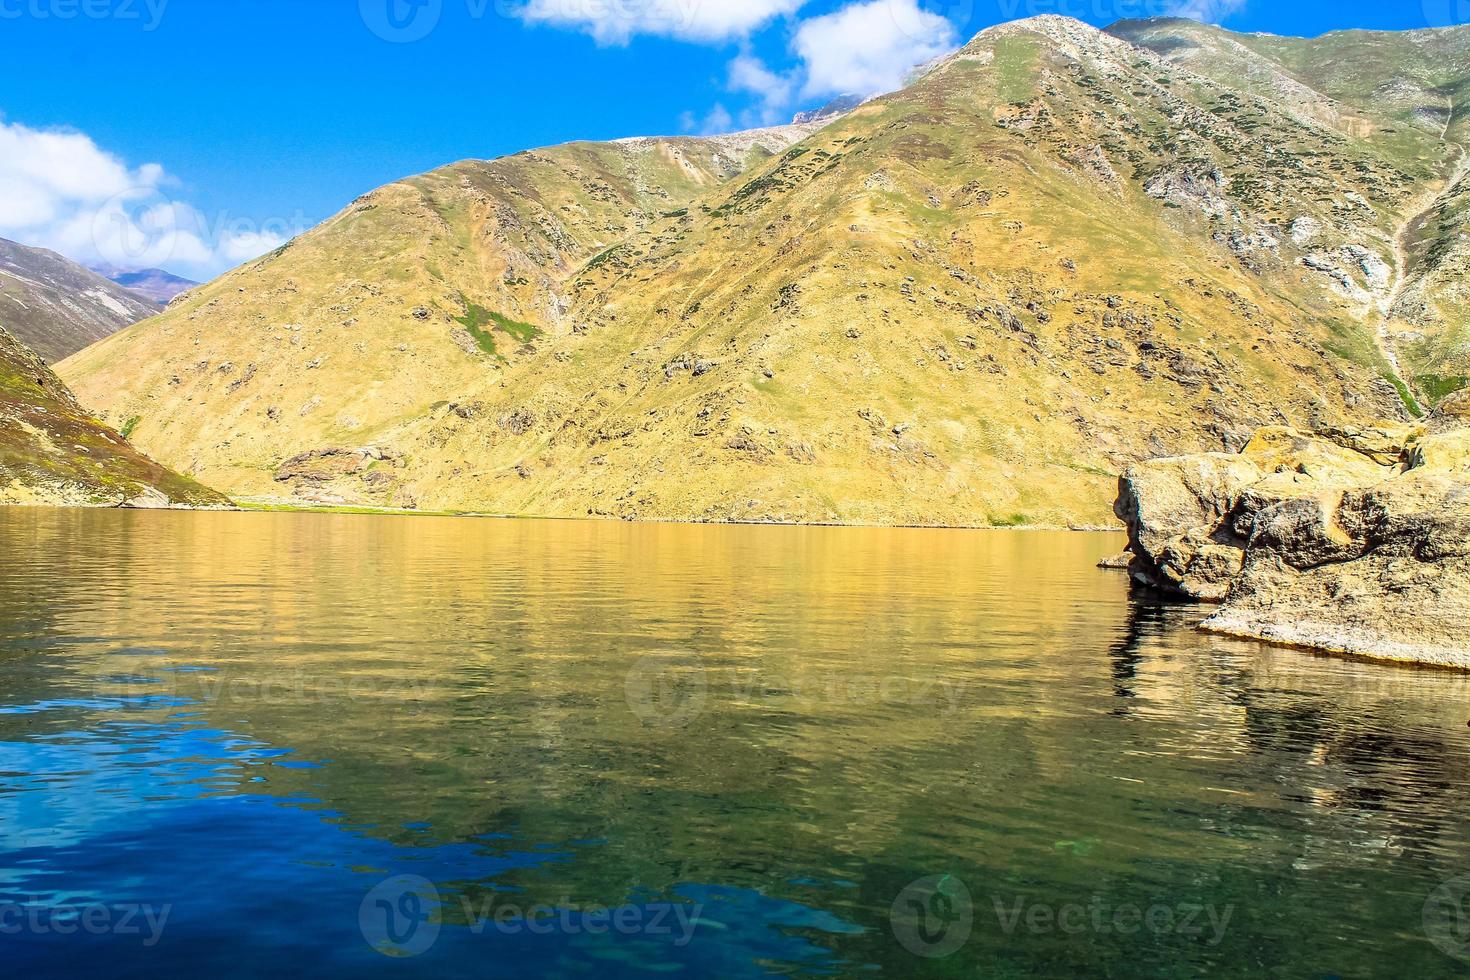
column 970, row 302
column 53, row 452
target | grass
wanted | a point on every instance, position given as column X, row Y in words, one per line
column 477, row 318
column 602, row 258
column 1014, row 69
column 1437, row 387
column 474, row 321
column 1350, row 344
column 1410, row 402
column 524, row 332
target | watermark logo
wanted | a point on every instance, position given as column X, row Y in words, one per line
column 400, row 917
column 403, row 916
column 667, row 690
column 1446, row 13
column 141, row 227
column 933, row 916
column 1447, row 918
column 401, row 21
column 295, row 686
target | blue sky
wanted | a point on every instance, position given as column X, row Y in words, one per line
column 222, row 126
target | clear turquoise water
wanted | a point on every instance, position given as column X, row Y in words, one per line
column 233, row 744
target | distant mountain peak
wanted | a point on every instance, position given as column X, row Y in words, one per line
column 158, row 286
column 839, row 106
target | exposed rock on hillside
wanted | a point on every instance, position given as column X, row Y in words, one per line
column 370, row 469
column 1312, row 541
column 1378, row 85
column 54, row 453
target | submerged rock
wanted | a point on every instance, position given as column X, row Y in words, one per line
column 1349, row 542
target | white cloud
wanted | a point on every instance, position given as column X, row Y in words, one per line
column 60, row 190
column 618, row 21
column 750, row 75
column 1206, row 11
column 869, row 48
column 717, row 122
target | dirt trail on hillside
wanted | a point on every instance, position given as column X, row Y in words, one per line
column 1401, row 243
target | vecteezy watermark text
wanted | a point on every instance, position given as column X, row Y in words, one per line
column 672, row 689
column 934, row 917
column 1101, row 917
column 404, row 916
column 127, row 919
column 198, row 685
column 147, row 12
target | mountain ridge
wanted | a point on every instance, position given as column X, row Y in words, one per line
column 973, row 301
column 56, row 306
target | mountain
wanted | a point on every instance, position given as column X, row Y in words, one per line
column 53, row 452
column 1393, row 89
column 56, row 307
column 154, row 285
column 971, row 302
column 839, row 106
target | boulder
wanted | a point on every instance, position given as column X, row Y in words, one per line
column 1382, row 572
column 1453, row 413
column 148, row 498
column 1178, row 515
column 1315, row 540
column 1446, row 455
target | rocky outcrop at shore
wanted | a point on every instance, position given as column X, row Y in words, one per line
column 1349, row 541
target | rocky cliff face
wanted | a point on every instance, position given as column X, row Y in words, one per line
column 54, row 453
column 1390, row 85
column 56, row 307
column 1350, row 541
column 971, row 302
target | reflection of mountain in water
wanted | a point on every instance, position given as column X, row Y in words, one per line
column 851, row 710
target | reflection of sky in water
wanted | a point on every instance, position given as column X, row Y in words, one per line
column 162, row 815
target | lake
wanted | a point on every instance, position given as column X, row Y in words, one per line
column 399, row 747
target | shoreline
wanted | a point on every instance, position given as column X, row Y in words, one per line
column 1331, row 641
column 272, row 507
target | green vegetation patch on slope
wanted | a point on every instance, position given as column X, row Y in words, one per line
column 1437, row 388
column 477, row 319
